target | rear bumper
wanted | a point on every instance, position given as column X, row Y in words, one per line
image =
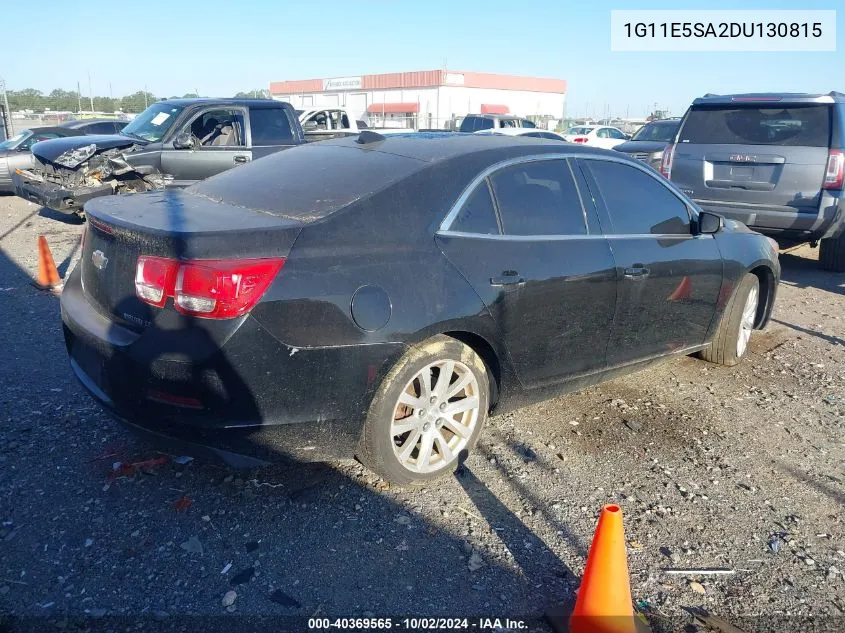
column 786, row 223
column 55, row 197
column 252, row 400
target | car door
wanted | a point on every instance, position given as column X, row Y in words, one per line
column 271, row 130
column 525, row 242
column 669, row 277
column 220, row 143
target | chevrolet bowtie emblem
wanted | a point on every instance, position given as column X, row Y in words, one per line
column 99, row 259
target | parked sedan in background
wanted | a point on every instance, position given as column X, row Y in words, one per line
column 379, row 296
column 95, row 126
column 15, row 152
column 595, row 136
column 525, row 132
column 650, row 140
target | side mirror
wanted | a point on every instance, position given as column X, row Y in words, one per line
column 709, row 223
column 183, row 141
column 310, row 126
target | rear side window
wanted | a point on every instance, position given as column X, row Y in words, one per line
column 798, row 125
column 106, row 127
column 637, row 203
column 483, row 124
column 538, row 198
column 477, row 215
column 270, row 126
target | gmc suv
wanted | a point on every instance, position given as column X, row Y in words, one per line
column 775, row 161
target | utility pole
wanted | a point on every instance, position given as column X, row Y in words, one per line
column 7, row 115
column 90, row 93
column 145, row 97
column 78, row 98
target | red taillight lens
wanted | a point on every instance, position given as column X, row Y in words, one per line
column 580, row 139
column 834, row 173
column 154, row 279
column 214, row 288
column 666, row 163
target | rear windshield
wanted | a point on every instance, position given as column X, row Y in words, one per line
column 659, row 132
column 309, row 182
column 796, row 125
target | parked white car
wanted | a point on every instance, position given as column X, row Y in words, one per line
column 323, row 123
column 595, row 135
column 524, row 131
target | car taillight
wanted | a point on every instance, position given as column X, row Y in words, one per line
column 580, row 139
column 834, row 173
column 155, row 278
column 666, row 163
column 213, row 288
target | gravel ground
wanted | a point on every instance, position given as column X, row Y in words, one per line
column 713, row 467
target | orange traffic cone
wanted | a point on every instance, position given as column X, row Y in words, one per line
column 604, row 599
column 683, row 291
column 48, row 275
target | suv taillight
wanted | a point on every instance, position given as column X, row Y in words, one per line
column 212, row 288
column 834, row 173
column 666, row 163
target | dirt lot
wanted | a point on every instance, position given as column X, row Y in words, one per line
column 714, row 468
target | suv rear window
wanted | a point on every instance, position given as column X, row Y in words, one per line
column 807, row 126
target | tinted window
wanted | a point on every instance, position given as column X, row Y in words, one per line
column 310, row 183
column 477, row 214
column 106, row 127
column 638, row 203
column 611, row 133
column 661, row 132
column 483, row 124
column 538, row 198
column 527, row 123
column 798, row 125
column 270, row 126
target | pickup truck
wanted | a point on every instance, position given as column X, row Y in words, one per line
column 173, row 143
column 320, row 124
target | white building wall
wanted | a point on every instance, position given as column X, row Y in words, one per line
column 437, row 105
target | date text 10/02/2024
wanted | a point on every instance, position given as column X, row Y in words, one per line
column 417, row 624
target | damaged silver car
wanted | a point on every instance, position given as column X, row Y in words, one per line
column 174, row 142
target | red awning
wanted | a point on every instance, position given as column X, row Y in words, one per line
column 493, row 108
column 393, row 108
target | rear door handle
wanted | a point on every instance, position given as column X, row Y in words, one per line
column 508, row 278
column 240, row 158
column 637, row 271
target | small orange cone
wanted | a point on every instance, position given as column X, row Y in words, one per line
column 683, row 291
column 48, row 275
column 604, row 599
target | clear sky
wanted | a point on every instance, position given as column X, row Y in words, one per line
column 218, row 47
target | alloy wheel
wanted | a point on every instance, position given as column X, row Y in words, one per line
column 435, row 416
column 746, row 326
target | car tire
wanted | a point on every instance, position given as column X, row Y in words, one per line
column 416, row 432
column 731, row 339
column 832, row 254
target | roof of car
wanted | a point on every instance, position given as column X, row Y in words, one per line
column 45, row 129
column 496, row 116
column 775, row 97
column 223, row 100
column 436, row 146
column 77, row 122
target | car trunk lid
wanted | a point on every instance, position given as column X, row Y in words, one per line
column 767, row 155
column 171, row 224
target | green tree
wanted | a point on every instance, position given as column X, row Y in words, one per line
column 137, row 101
column 26, row 99
column 105, row 104
column 190, row 95
column 258, row 93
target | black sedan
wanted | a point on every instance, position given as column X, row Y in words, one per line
column 15, row 152
column 379, row 296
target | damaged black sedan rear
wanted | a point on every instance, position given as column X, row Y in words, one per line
column 175, row 142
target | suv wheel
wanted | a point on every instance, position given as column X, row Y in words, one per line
column 832, row 254
column 428, row 411
column 731, row 340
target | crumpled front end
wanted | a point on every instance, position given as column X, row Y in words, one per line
column 81, row 174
